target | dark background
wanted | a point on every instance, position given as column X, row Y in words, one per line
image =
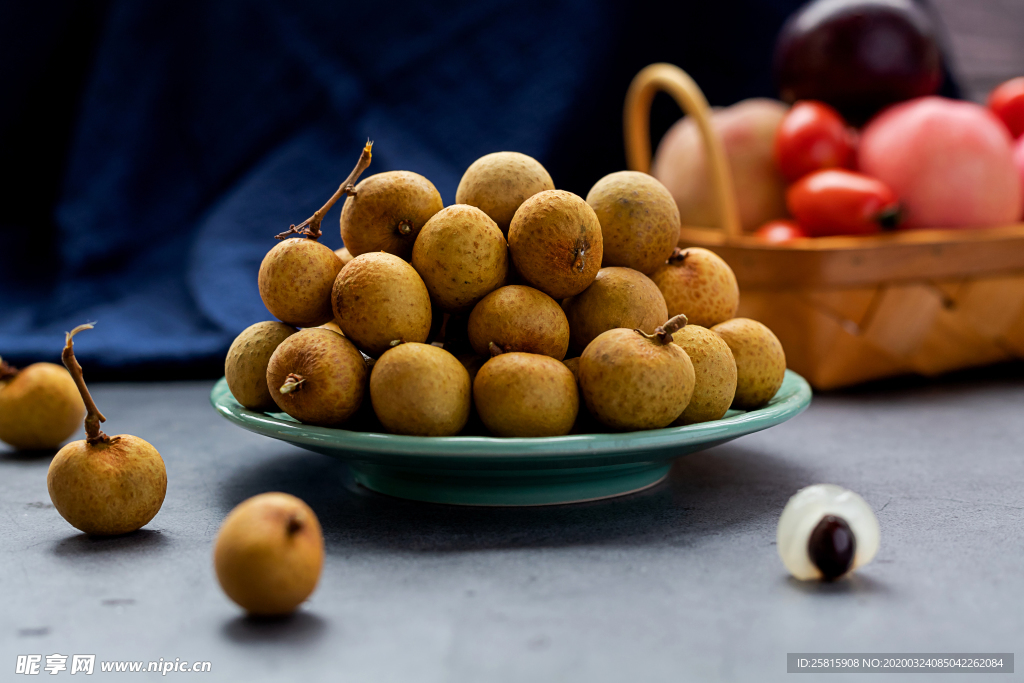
column 153, row 149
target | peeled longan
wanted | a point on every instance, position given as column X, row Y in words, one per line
column 379, row 298
column 40, row 406
column 760, row 361
column 269, row 553
column 639, row 220
column 317, row 376
column 462, row 256
column 715, row 374
column 555, row 242
column 295, row 282
column 387, row 211
column 499, row 183
column 245, row 367
column 519, row 318
column 618, row 297
column 699, row 284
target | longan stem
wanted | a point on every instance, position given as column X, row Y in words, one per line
column 494, row 349
column 678, row 255
column 663, row 334
column 7, row 370
column 93, row 417
column 311, row 226
column 292, row 383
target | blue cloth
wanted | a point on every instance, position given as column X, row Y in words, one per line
column 154, row 148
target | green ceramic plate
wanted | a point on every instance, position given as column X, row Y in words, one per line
column 484, row 470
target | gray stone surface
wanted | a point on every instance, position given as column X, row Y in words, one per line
column 680, row 583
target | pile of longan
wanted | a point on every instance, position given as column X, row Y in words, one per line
column 521, row 310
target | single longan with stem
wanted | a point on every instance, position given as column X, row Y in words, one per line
column 632, row 380
column 104, row 485
column 318, row 377
column 297, row 275
column 39, row 406
column 386, row 212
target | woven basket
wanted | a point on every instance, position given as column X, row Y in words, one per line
column 852, row 309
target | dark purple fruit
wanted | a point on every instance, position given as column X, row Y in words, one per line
column 858, row 55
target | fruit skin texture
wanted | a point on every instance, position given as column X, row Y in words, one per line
column 246, row 364
column 782, row 230
column 39, row 407
column 839, row 202
column 526, row 395
column 519, row 318
column 1007, row 102
column 858, row 55
column 618, row 297
column 387, row 213
column 630, row 382
column 556, row 244
column 420, row 390
column 811, row 137
column 462, row 256
column 950, row 163
column 747, row 130
column 715, row 371
column 108, row 488
column 639, row 220
column 335, row 375
column 760, row 361
column 379, row 298
column 699, row 284
column 500, row 182
column 269, row 553
column 295, row 282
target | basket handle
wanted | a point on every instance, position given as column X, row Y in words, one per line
column 688, row 96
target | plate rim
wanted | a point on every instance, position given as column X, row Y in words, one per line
column 793, row 398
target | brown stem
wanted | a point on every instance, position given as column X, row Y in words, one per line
column 93, row 417
column 7, row 370
column 311, row 226
column 494, row 349
column 663, row 334
column 678, row 256
column 292, row 383
column 404, row 227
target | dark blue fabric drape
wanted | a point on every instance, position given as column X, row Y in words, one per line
column 152, row 149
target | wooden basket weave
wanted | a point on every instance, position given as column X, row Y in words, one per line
column 852, row 309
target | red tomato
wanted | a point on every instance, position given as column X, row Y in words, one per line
column 780, row 231
column 811, row 137
column 1007, row 102
column 835, row 202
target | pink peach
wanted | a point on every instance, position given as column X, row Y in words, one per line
column 950, row 162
